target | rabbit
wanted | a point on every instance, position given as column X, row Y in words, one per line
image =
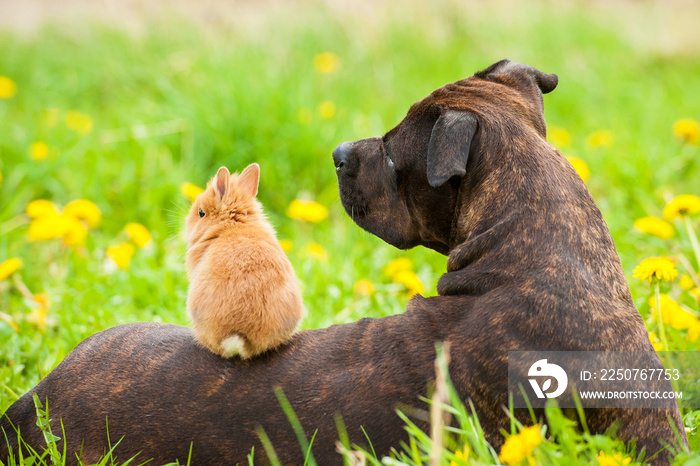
column 244, row 297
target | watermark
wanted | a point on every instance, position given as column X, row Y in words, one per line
column 542, row 369
column 604, row 379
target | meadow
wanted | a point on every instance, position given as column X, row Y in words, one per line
column 129, row 121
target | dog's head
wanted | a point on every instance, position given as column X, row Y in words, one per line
column 403, row 187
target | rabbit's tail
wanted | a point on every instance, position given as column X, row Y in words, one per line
column 235, row 345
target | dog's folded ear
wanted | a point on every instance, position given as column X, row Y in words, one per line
column 450, row 142
column 546, row 82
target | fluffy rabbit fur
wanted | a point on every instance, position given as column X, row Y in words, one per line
column 244, row 297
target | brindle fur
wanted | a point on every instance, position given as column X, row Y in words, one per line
column 531, row 266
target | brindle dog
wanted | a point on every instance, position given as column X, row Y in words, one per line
column 531, row 266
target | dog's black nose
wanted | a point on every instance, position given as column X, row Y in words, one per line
column 340, row 156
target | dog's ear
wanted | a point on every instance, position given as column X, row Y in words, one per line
column 448, row 149
column 545, row 82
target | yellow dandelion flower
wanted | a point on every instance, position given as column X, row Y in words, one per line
column 8, row 88
column 326, row 110
column 49, row 117
column 694, row 333
column 687, row 130
column 461, row 455
column 308, row 211
column 411, row 281
column 8, row 319
column 38, row 150
column 686, row 282
column 9, row 267
column 41, row 299
column 673, row 314
column 49, row 223
column 79, row 122
column 53, row 226
column 695, row 292
column 190, row 190
column 305, row 116
column 658, row 346
column 49, row 227
column 616, row 459
column 581, row 167
column 121, row 254
column 40, row 312
column 76, row 231
column 600, row 138
column 559, row 137
column 531, row 436
column 38, row 317
column 286, row 245
column 363, row 287
column 138, row 233
column 396, row 266
column 655, row 268
column 520, row 446
column 84, row 210
column 316, row 251
column 683, row 204
column 41, row 208
column 666, row 303
column 654, row 226
column 326, row 62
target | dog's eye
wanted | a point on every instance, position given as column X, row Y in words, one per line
column 201, row 213
column 389, row 161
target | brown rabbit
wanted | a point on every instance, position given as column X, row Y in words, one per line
column 244, row 297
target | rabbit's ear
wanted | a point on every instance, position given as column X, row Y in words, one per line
column 221, row 184
column 249, row 179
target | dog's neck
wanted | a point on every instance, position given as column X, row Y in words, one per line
column 522, row 208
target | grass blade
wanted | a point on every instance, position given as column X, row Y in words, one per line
column 296, row 425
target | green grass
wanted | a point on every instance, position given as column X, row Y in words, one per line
column 558, row 442
column 235, row 94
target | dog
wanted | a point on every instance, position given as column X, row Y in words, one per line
column 531, row 266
